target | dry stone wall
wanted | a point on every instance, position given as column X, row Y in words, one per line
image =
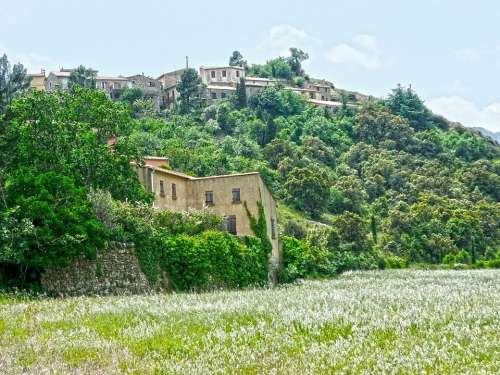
column 115, row 270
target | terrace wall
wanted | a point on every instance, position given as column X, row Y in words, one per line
column 115, row 270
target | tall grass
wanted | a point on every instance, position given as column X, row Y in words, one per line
column 398, row 322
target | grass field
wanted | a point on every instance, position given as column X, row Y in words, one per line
column 443, row 322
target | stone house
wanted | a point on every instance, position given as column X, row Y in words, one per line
column 169, row 83
column 151, row 87
column 225, row 196
column 58, row 80
column 323, row 90
column 220, row 82
column 255, row 84
column 113, row 86
column 38, row 80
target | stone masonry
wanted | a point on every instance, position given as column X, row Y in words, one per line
column 115, row 270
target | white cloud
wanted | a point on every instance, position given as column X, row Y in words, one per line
column 366, row 41
column 457, row 108
column 363, row 51
column 281, row 37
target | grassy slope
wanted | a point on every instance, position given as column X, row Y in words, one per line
column 392, row 321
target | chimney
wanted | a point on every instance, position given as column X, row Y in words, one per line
column 42, row 71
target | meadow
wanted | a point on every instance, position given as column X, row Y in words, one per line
column 393, row 322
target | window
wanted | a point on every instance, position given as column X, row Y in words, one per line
column 238, row 74
column 162, row 189
column 102, row 84
column 209, row 198
column 212, row 74
column 236, row 195
column 151, row 84
column 322, row 97
column 273, row 229
column 50, row 85
column 214, row 95
column 224, row 73
column 230, row 224
column 311, row 95
column 223, row 95
column 174, row 191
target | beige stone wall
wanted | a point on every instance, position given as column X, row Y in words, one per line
column 231, row 77
column 222, row 188
column 191, row 195
column 167, row 201
column 38, row 82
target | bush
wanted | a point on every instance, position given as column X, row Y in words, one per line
column 188, row 247
column 212, row 260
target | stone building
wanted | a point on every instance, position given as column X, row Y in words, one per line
column 220, row 82
column 255, row 84
column 322, row 90
column 58, row 80
column 113, row 86
column 38, row 80
column 151, row 87
column 169, row 83
column 225, row 196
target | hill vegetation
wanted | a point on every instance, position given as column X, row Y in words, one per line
column 388, row 184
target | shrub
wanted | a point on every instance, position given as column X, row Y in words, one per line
column 189, row 247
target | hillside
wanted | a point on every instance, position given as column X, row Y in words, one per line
column 390, row 179
column 382, row 183
column 493, row 135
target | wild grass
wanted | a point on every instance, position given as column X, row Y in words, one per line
column 394, row 322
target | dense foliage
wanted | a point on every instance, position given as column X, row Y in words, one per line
column 389, row 184
column 189, row 248
column 392, row 183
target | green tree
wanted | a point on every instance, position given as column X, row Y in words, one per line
column 67, row 133
column 12, row 81
column 308, row 189
column 236, row 59
column 297, row 57
column 189, row 90
column 56, row 221
column 83, row 77
column 241, row 94
column 406, row 103
column 130, row 95
column 280, row 68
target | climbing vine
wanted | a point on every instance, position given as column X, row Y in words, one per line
column 259, row 226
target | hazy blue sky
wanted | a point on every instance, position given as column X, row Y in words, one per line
column 449, row 50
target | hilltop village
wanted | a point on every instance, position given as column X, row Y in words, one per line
column 217, row 83
column 229, row 196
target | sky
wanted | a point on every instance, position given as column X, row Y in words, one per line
column 448, row 50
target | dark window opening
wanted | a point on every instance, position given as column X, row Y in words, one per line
column 238, row 73
column 209, row 198
column 174, row 191
column 214, row 95
column 223, row 95
column 162, row 189
column 230, row 224
column 212, row 74
column 236, row 195
column 224, row 73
